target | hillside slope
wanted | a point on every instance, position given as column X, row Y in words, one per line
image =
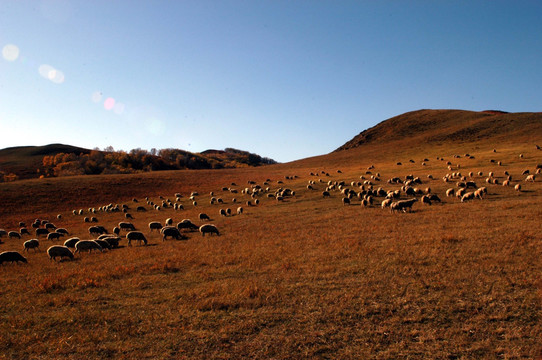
column 23, row 161
column 438, row 126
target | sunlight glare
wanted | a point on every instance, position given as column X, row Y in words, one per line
column 10, row 52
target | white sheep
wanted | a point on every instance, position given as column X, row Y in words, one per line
column 208, row 229
column 59, row 251
column 31, row 244
column 136, row 236
column 467, row 196
column 89, row 245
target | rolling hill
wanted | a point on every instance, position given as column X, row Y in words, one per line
column 25, row 162
column 434, row 127
column 300, row 274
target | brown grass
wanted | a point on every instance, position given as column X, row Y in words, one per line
column 306, row 278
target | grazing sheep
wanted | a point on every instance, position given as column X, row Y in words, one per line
column 136, row 236
column 506, row 183
column 426, row 200
column 97, row 230
column 128, row 216
column 386, row 203
column 346, row 201
column 24, row 231
column 228, row 211
column 450, row 192
column 14, row 234
column 434, row 197
column 126, row 226
column 113, row 241
column 467, row 196
column 187, row 224
column 116, row 230
column 479, row 193
column 54, row 236
column 89, row 245
column 50, row 226
column 460, row 192
column 31, row 244
column 59, row 251
column 222, row 212
column 169, row 221
column 530, row 178
column 171, row 232
column 62, row 231
column 208, row 229
column 103, row 243
column 141, row 209
column 155, row 225
column 239, row 210
column 11, row 256
column 517, row 187
column 403, row 205
column 71, row 242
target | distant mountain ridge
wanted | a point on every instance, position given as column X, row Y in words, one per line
column 23, row 162
column 434, row 126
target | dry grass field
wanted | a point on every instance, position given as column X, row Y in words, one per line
column 307, row 277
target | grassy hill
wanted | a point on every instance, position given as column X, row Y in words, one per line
column 23, row 161
column 306, row 277
column 434, row 127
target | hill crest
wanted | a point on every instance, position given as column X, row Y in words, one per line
column 437, row 126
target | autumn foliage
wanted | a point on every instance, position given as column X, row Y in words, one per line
column 139, row 160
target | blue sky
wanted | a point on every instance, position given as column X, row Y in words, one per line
column 283, row 79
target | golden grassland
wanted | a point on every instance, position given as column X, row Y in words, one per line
column 303, row 278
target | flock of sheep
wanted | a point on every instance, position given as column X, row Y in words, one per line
column 103, row 239
column 366, row 190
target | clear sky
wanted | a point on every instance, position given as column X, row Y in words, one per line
column 284, row 79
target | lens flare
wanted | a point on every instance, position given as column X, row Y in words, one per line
column 96, row 97
column 50, row 73
column 45, row 69
column 10, row 52
column 56, row 76
column 109, row 103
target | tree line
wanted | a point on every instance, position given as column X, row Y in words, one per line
column 109, row 161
